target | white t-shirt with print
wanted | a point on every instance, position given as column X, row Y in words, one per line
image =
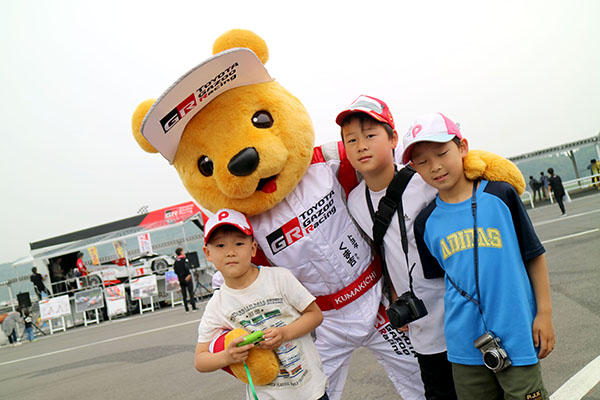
column 427, row 333
column 276, row 298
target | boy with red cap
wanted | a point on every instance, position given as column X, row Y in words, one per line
column 368, row 133
column 268, row 299
column 477, row 235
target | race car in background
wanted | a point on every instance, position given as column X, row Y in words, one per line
column 116, row 271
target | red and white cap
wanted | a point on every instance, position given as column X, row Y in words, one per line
column 434, row 127
column 370, row 106
column 226, row 216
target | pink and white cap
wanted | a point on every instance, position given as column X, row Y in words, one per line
column 434, row 127
column 226, row 216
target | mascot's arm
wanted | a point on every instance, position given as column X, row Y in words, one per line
column 335, row 151
column 490, row 166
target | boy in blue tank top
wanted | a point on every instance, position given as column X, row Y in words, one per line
column 498, row 320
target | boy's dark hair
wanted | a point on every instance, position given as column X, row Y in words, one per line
column 34, row 270
column 178, row 251
column 226, row 229
column 456, row 141
column 79, row 254
column 551, row 171
column 362, row 117
column 593, row 160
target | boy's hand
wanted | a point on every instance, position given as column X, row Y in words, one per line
column 274, row 337
column 403, row 328
column 237, row 354
column 543, row 335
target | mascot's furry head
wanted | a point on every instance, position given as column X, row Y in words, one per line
column 237, row 138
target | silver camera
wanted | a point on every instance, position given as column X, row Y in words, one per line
column 494, row 355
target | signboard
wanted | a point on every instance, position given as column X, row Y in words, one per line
column 89, row 299
column 171, row 281
column 115, row 300
column 119, row 251
column 94, row 255
column 144, row 286
column 145, row 243
column 170, row 215
column 55, row 307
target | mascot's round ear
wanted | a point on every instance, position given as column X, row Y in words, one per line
column 136, row 125
column 242, row 38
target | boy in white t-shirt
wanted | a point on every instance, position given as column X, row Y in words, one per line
column 369, row 137
column 269, row 299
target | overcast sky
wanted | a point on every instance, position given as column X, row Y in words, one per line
column 518, row 76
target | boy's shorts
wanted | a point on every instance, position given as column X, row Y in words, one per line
column 476, row 382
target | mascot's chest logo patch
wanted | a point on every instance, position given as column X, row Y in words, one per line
column 296, row 228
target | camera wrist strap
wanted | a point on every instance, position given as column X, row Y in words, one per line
column 389, row 205
column 475, row 257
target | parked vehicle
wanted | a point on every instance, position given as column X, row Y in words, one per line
column 142, row 265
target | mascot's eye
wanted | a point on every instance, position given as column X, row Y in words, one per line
column 262, row 119
column 205, row 166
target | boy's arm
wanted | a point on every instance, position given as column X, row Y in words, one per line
column 205, row 361
column 543, row 330
column 311, row 318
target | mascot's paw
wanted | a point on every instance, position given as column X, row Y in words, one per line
column 490, row 166
column 263, row 364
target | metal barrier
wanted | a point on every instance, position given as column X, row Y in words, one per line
column 579, row 184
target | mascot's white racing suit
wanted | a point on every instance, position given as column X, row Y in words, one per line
column 311, row 233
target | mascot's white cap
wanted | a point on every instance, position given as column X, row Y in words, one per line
column 168, row 116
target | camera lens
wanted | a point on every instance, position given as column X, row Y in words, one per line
column 399, row 315
column 491, row 359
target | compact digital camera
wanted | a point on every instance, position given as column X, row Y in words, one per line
column 407, row 308
column 494, row 355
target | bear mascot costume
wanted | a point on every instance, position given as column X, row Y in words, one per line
column 239, row 140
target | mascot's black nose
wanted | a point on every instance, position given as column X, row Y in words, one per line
column 244, row 162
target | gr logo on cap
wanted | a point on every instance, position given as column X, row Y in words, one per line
column 167, row 118
column 226, row 216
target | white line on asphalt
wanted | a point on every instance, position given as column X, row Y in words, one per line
column 100, row 342
column 565, row 218
column 570, row 236
column 579, row 384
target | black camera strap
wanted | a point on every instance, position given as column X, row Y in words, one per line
column 475, row 257
column 389, row 205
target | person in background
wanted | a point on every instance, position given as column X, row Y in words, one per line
column 182, row 270
column 58, row 274
column 81, row 265
column 9, row 326
column 28, row 321
column 594, row 168
column 57, row 270
column 38, row 283
column 535, row 188
column 217, row 280
column 557, row 188
column 544, row 185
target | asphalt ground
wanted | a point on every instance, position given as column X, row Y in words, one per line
column 151, row 356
